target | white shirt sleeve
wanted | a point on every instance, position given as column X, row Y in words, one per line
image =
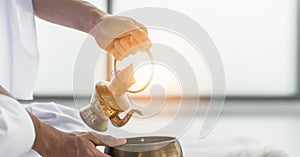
column 17, row 133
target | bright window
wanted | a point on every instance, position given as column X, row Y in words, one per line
column 256, row 39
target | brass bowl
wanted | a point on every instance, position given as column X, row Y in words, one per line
column 152, row 146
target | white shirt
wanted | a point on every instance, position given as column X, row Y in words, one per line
column 18, row 48
column 16, row 128
column 18, row 68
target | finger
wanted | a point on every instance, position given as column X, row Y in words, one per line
column 125, row 42
column 120, row 49
column 139, row 35
column 140, row 45
column 107, row 140
column 109, row 47
column 115, row 53
column 111, row 141
column 136, row 46
column 91, row 137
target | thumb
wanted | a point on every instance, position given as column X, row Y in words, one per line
column 139, row 35
column 107, row 140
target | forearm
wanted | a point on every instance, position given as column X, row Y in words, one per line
column 5, row 92
column 46, row 137
column 44, row 134
column 75, row 14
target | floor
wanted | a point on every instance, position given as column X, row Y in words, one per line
column 256, row 124
column 266, row 123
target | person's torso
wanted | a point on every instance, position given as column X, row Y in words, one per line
column 18, row 47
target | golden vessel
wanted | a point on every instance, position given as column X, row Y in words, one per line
column 151, row 146
column 108, row 101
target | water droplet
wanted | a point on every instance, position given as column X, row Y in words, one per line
column 142, row 139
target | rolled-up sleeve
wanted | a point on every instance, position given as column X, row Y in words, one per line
column 16, row 128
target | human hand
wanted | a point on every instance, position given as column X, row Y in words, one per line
column 83, row 145
column 50, row 142
column 121, row 36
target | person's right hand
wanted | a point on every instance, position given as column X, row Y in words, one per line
column 121, row 36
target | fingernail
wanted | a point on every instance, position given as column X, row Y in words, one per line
column 121, row 140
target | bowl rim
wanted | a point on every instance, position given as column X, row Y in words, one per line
column 164, row 140
column 159, row 142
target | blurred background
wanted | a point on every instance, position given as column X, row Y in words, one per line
column 257, row 41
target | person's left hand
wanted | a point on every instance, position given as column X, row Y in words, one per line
column 83, row 145
column 50, row 142
column 121, row 36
